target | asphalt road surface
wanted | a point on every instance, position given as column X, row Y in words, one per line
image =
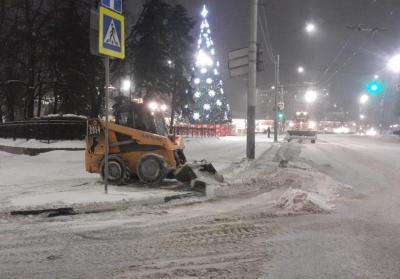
column 221, row 239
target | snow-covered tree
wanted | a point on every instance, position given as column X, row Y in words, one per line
column 210, row 104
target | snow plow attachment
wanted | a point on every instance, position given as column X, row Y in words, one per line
column 198, row 174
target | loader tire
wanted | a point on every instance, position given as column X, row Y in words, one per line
column 151, row 169
column 118, row 170
column 313, row 141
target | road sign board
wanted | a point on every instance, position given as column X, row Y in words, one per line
column 238, row 61
column 115, row 5
column 111, row 34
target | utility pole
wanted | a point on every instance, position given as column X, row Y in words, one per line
column 251, row 93
column 106, row 146
column 277, row 86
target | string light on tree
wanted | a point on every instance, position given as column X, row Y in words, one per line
column 210, row 104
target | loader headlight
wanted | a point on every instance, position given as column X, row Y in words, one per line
column 153, row 106
column 312, row 124
column 163, row 107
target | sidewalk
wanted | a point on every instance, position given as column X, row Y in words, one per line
column 58, row 179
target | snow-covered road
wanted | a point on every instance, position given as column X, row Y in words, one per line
column 361, row 238
column 236, row 237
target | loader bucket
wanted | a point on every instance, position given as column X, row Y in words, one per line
column 185, row 174
column 198, row 174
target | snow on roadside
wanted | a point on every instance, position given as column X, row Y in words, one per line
column 297, row 188
column 32, row 143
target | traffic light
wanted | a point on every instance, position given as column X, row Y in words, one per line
column 281, row 115
column 374, row 87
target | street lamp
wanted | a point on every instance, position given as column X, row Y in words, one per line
column 310, row 27
column 310, row 96
column 394, row 63
column 362, row 116
column 376, row 76
column 364, row 98
column 300, row 70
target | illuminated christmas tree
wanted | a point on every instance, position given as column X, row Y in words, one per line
column 210, row 104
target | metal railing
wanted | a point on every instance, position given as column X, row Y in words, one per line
column 45, row 129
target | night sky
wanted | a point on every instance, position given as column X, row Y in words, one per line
column 359, row 55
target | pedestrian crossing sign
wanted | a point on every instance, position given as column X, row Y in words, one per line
column 111, row 33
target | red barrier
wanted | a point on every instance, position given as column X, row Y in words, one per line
column 205, row 130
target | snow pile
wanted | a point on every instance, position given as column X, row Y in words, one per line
column 296, row 200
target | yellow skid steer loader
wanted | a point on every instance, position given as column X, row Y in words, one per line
column 140, row 147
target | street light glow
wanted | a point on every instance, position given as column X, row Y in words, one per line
column 376, row 76
column 362, row 116
column 310, row 27
column 126, row 85
column 364, row 98
column 310, row 96
column 300, row 70
column 394, row 63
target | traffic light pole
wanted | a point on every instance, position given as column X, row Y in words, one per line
column 277, row 86
column 251, row 93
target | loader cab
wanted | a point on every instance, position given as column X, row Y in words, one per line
column 138, row 116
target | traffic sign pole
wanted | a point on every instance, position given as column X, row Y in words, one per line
column 111, row 43
column 106, row 144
